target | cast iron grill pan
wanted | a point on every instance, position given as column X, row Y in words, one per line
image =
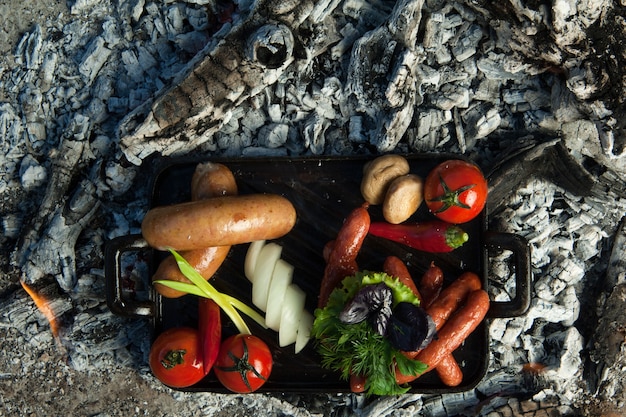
column 323, row 191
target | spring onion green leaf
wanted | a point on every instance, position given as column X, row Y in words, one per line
column 203, row 288
column 194, row 290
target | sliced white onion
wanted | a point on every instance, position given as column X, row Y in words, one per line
column 274, row 292
column 281, row 278
column 252, row 255
column 304, row 330
column 262, row 276
column 292, row 309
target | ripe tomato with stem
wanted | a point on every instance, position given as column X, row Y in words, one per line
column 244, row 363
column 176, row 358
column 455, row 191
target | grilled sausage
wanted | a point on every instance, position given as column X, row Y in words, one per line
column 431, row 284
column 342, row 257
column 452, row 296
column 448, row 369
column 449, row 300
column 395, row 267
column 209, row 180
column 453, row 333
column 357, row 383
column 219, row 221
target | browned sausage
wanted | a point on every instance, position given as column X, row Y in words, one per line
column 449, row 371
column 342, row 258
column 209, row 180
column 453, row 333
column 395, row 267
column 452, row 297
column 431, row 284
column 219, row 221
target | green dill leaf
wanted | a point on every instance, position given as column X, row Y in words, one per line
column 343, row 339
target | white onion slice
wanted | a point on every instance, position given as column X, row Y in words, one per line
column 281, row 278
column 252, row 255
column 304, row 330
column 293, row 306
column 263, row 271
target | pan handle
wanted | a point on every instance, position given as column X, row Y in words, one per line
column 119, row 305
column 521, row 261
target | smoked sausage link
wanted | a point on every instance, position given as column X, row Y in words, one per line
column 212, row 180
column 453, row 333
column 342, row 257
column 449, row 371
column 431, row 284
column 220, row 221
column 395, row 267
column 209, row 180
column 452, row 297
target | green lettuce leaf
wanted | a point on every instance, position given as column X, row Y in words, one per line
column 401, row 293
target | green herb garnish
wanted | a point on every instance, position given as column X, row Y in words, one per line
column 358, row 348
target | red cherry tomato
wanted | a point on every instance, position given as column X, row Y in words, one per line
column 455, row 191
column 244, row 363
column 175, row 357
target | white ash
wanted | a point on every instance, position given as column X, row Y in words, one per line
column 466, row 84
column 32, row 174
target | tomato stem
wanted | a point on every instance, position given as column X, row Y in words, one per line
column 242, row 366
column 450, row 198
column 173, row 357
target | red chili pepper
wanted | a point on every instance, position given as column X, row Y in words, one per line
column 431, row 236
column 210, row 329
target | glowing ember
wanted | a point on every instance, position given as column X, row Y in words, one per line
column 44, row 307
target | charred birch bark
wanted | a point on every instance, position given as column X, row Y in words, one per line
column 381, row 79
column 251, row 56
